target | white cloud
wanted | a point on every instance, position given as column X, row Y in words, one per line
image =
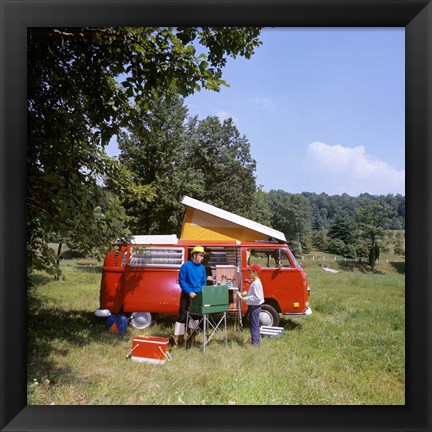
column 337, row 169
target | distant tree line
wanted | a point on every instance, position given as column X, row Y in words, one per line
column 353, row 227
column 325, row 208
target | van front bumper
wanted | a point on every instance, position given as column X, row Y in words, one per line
column 102, row 313
column 307, row 312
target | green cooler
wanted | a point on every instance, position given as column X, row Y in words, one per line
column 212, row 299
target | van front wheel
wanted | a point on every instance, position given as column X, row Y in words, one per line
column 141, row 320
column 269, row 316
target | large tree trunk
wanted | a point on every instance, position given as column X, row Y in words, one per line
column 57, row 275
column 372, row 254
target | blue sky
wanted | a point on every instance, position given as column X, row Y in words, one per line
column 322, row 109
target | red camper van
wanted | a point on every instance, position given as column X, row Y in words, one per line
column 141, row 277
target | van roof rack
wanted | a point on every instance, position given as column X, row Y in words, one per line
column 150, row 239
column 269, row 240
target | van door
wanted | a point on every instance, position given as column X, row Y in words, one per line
column 223, row 264
column 281, row 279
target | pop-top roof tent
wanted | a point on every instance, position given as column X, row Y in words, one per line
column 204, row 222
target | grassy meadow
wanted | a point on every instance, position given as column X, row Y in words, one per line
column 350, row 351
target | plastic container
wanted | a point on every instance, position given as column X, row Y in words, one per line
column 117, row 324
column 212, row 299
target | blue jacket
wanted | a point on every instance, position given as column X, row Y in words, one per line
column 192, row 277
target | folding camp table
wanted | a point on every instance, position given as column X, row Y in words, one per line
column 210, row 326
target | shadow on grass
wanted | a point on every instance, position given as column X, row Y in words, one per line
column 37, row 280
column 399, row 267
column 290, row 325
column 353, row 266
column 52, row 332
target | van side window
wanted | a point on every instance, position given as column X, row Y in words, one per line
column 142, row 256
column 268, row 258
column 222, row 263
column 223, row 256
column 263, row 257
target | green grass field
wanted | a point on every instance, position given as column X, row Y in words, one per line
column 350, row 351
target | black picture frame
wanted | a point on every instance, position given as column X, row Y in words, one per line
column 414, row 15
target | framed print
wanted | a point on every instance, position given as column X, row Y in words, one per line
column 415, row 16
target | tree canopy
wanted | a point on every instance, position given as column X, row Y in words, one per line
column 207, row 159
column 84, row 85
column 292, row 214
column 373, row 220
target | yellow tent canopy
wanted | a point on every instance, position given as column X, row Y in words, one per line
column 204, row 222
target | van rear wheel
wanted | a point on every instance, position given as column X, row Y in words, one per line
column 141, row 320
column 269, row 316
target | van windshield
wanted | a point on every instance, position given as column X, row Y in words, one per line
column 296, row 262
